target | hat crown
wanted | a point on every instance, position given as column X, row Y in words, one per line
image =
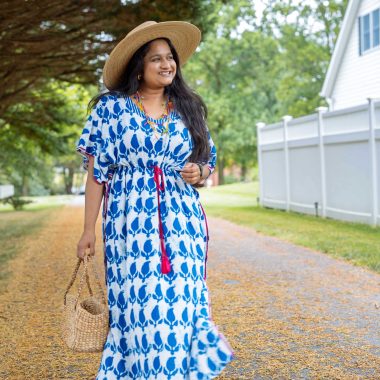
column 184, row 36
column 142, row 26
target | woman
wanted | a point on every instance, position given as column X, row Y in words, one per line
column 146, row 146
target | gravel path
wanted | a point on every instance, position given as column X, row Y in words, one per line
column 298, row 314
column 288, row 312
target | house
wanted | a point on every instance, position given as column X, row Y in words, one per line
column 328, row 163
column 354, row 71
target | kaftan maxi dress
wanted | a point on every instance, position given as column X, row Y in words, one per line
column 160, row 324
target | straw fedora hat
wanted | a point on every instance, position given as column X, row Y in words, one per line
column 184, row 36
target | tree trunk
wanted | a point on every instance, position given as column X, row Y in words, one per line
column 25, row 185
column 243, row 172
column 68, row 179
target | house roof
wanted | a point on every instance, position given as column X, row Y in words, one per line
column 340, row 47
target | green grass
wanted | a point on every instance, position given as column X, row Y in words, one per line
column 40, row 203
column 358, row 243
column 14, row 227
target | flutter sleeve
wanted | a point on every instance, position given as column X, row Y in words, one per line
column 92, row 142
column 211, row 163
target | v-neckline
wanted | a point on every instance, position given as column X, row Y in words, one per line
column 173, row 115
column 158, row 120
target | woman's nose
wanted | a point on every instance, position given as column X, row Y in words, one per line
column 165, row 63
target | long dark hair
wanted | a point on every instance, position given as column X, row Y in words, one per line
column 187, row 103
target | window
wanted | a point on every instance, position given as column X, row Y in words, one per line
column 369, row 31
column 366, row 33
column 376, row 27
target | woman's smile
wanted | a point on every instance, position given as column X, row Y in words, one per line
column 166, row 73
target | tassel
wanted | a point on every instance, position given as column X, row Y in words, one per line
column 158, row 175
column 165, row 265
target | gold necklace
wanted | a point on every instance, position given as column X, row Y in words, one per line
column 164, row 116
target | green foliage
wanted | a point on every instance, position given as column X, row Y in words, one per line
column 69, row 40
column 247, row 69
column 306, row 33
column 39, row 135
column 304, row 63
column 236, row 75
column 250, row 70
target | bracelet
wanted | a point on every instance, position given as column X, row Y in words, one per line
column 209, row 172
column 200, row 170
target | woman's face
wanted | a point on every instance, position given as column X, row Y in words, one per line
column 159, row 65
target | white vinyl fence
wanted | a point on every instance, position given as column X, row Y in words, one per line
column 6, row 191
column 325, row 163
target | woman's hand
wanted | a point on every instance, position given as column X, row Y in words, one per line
column 87, row 240
column 191, row 173
column 93, row 199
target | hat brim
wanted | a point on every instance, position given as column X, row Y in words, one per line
column 184, row 36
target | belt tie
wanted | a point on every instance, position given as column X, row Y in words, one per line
column 159, row 181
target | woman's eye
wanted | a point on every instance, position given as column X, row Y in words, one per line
column 170, row 57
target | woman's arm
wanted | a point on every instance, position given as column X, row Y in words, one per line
column 208, row 166
column 93, row 200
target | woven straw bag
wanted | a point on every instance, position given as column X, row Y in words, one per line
column 85, row 323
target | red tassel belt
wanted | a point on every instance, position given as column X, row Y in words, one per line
column 160, row 185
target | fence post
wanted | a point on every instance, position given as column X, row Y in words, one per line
column 260, row 161
column 285, row 120
column 372, row 149
column 321, row 145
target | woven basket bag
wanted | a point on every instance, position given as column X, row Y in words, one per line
column 85, row 323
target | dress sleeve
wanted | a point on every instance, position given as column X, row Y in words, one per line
column 211, row 163
column 92, row 143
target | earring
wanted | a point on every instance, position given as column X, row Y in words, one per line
column 138, row 76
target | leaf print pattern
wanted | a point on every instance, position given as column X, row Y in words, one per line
column 160, row 323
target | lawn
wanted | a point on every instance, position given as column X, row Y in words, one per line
column 358, row 243
column 39, row 203
column 15, row 226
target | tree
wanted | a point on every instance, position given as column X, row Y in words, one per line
column 67, row 40
column 45, row 47
column 247, row 70
column 306, row 33
column 235, row 72
column 30, row 149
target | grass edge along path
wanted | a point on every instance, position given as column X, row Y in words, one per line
column 15, row 226
column 355, row 242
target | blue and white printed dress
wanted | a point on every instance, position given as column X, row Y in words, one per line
column 160, row 323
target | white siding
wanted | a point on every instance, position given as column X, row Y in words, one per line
column 358, row 77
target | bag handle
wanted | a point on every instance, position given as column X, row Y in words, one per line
column 85, row 260
column 73, row 277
